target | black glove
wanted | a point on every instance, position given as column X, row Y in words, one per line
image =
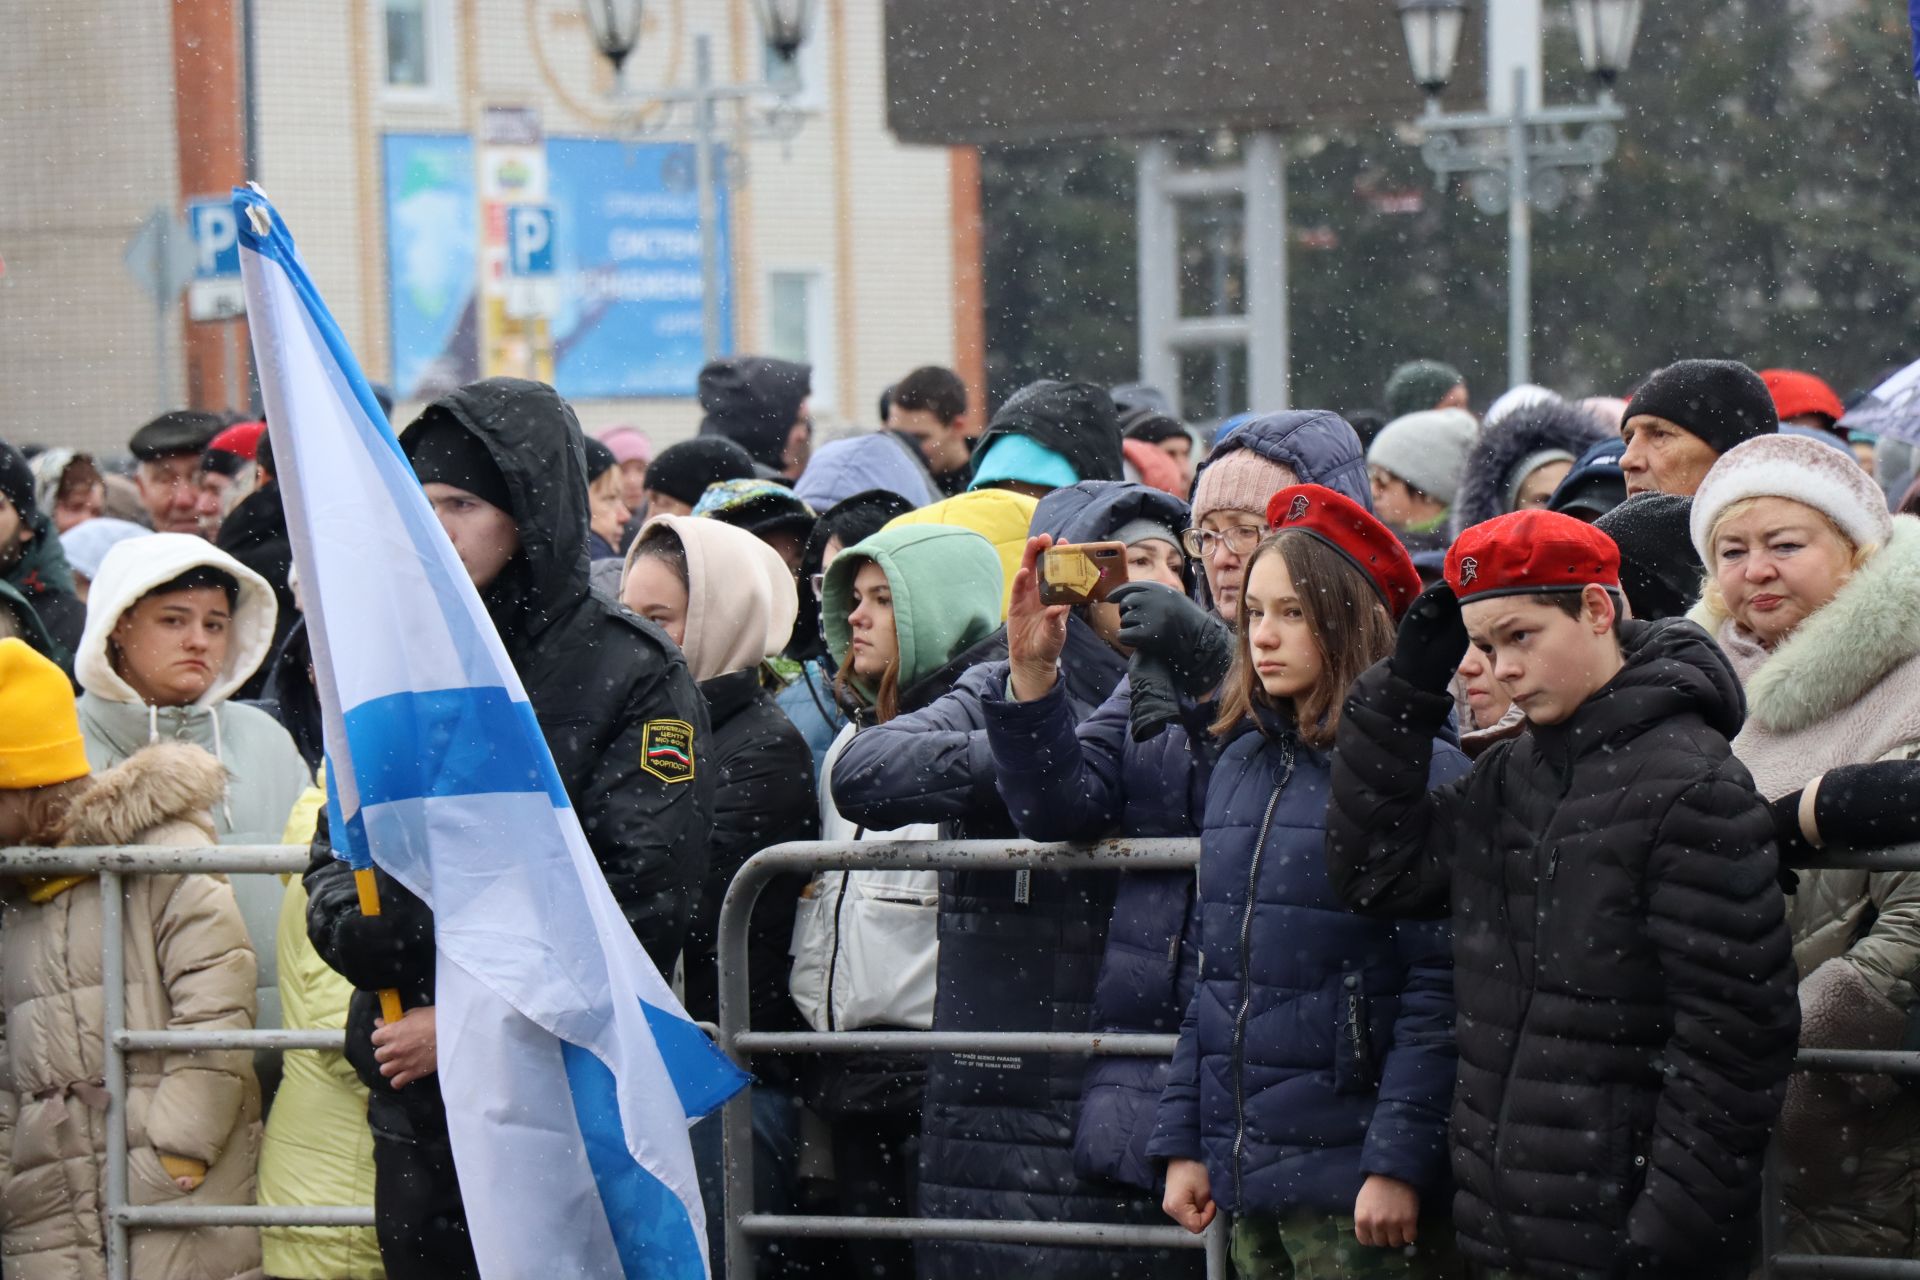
column 373, row 952
column 1793, row 842
column 1432, row 640
column 1154, row 694
column 1195, row 645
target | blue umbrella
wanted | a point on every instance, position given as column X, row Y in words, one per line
column 1893, row 407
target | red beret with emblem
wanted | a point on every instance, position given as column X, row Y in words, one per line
column 1525, row 552
column 1355, row 533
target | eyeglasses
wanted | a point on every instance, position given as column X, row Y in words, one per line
column 1241, row 539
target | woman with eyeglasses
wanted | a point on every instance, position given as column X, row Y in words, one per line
column 1139, row 765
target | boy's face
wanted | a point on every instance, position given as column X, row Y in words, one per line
column 1549, row 663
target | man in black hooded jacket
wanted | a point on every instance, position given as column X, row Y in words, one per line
column 504, row 465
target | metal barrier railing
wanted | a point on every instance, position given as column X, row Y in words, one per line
column 113, row 864
column 730, row 944
column 1122, row 855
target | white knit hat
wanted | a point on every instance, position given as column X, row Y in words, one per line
column 1802, row 470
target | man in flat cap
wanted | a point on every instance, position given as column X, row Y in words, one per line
column 168, row 451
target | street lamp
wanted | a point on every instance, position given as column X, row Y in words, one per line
column 616, row 28
column 1606, row 31
column 615, row 25
column 1432, row 29
column 784, row 24
column 1515, row 157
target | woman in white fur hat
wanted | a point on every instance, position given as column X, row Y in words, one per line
column 1813, row 590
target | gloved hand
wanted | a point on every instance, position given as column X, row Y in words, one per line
column 1432, row 640
column 373, row 952
column 1790, row 837
column 1195, row 644
column 1155, row 697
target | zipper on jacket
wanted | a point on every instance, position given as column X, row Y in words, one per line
column 1238, row 1049
column 833, row 955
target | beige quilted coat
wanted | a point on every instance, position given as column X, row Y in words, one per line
column 189, row 965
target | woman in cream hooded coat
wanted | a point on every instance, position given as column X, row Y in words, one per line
column 1813, row 591
column 729, row 601
column 148, row 689
column 193, row 1119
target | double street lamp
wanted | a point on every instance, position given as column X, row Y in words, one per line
column 764, row 110
column 1515, row 155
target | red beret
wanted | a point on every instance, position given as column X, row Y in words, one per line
column 242, row 438
column 1795, row 393
column 1352, row 530
column 1528, row 551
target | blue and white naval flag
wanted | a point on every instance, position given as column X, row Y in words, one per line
column 569, row 1069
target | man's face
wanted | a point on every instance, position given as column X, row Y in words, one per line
column 15, row 534
column 1547, row 662
column 1180, row 449
column 213, row 498
column 170, row 491
column 943, row 445
column 799, row 444
column 484, row 536
column 1392, row 499
column 1663, row 457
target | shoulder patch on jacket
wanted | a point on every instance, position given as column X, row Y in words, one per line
column 666, row 750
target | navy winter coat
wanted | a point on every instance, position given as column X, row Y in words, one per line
column 1018, row 951
column 1103, row 783
column 1318, row 1047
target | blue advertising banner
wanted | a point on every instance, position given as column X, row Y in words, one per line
column 626, row 255
column 433, row 246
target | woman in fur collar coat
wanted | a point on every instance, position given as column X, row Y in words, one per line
column 1813, row 590
column 193, row 1119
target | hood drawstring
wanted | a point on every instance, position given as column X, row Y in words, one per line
column 153, row 724
column 219, row 753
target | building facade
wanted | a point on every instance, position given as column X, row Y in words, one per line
column 474, row 194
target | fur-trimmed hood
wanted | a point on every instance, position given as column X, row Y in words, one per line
column 1505, row 444
column 1839, row 653
column 165, row 783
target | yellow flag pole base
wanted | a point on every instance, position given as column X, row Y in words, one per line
column 369, row 891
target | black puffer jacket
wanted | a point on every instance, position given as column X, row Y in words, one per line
column 1622, row 969
column 596, row 676
column 766, row 796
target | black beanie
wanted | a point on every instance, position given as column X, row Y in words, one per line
column 1721, row 401
column 16, row 481
column 599, row 459
column 754, row 402
column 1659, row 569
column 444, row 452
column 683, row 471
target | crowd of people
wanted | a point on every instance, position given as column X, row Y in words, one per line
column 1511, row 742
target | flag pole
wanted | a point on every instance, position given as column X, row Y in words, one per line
column 369, row 890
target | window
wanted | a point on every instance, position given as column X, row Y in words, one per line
column 419, row 47
column 799, row 327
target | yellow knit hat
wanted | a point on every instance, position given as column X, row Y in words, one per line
column 40, row 741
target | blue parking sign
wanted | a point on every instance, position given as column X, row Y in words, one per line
column 530, row 240
column 216, row 239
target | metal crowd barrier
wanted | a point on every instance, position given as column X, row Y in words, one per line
column 113, row 864
column 743, row 1223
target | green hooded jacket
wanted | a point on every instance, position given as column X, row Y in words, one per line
column 946, row 588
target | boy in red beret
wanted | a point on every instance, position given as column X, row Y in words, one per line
column 1622, row 966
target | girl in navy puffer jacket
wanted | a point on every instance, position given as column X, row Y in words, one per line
column 1310, row 1091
